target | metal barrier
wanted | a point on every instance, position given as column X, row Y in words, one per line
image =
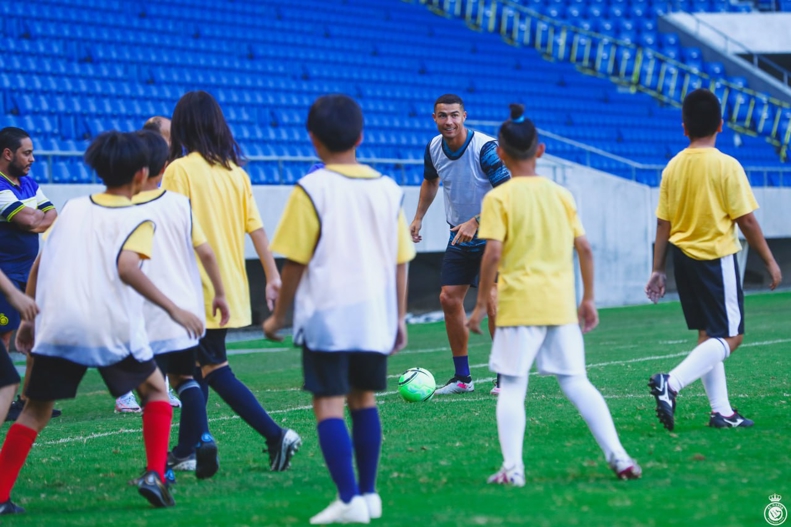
column 640, row 69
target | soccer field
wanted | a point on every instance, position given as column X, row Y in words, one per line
column 437, row 455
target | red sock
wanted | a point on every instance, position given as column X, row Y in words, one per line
column 17, row 446
column 157, row 416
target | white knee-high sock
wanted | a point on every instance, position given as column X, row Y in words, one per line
column 511, row 419
column 698, row 363
column 594, row 411
column 717, row 389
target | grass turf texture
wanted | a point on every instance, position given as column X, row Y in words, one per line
column 437, row 455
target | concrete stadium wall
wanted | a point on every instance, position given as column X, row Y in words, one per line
column 759, row 32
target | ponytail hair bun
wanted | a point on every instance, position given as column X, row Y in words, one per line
column 518, row 136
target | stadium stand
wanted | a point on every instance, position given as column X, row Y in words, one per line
column 70, row 70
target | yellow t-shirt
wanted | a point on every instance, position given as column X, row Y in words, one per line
column 298, row 232
column 537, row 222
column 223, row 204
column 702, row 193
column 141, row 241
column 198, row 237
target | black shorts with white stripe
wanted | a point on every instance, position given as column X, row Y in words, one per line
column 711, row 294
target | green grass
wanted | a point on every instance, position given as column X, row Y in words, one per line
column 437, row 455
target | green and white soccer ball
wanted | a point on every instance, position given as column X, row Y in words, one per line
column 416, row 385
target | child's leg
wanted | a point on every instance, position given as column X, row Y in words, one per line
column 511, row 419
column 336, row 445
column 594, row 411
column 217, row 373
column 717, row 390
column 157, row 417
column 193, row 421
column 701, row 360
column 6, row 397
column 367, row 437
column 19, row 441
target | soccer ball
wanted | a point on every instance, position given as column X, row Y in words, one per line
column 416, row 385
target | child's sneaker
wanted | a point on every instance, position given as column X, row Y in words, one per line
column 625, row 468
column 665, row 399
column 181, row 464
column 9, row 507
column 508, row 476
column 280, row 454
column 127, row 404
column 374, row 502
column 173, row 399
column 206, row 461
column 356, row 511
column 495, row 389
column 457, row 384
column 154, row 490
column 718, row 420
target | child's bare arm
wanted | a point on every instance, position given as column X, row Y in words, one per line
column 273, row 283
column 655, row 288
column 209, row 261
column 292, row 274
column 587, row 310
column 130, row 274
column 755, row 237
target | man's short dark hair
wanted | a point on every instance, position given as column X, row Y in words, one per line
column 701, row 113
column 449, row 98
column 336, row 121
column 117, row 157
column 157, row 151
column 11, row 137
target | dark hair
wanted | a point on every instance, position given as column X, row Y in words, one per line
column 198, row 125
column 157, row 151
column 154, row 124
column 701, row 113
column 336, row 121
column 117, row 157
column 449, row 98
column 11, row 138
column 518, row 136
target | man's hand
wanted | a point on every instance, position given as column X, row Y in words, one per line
column 221, row 304
column 775, row 274
column 25, row 305
column 401, row 337
column 271, row 326
column 655, row 288
column 588, row 315
column 414, row 229
column 465, row 231
column 188, row 321
column 272, row 293
column 25, row 337
column 474, row 322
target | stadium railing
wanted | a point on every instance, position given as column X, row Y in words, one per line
column 635, row 67
column 399, row 169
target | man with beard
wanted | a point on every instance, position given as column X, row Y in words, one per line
column 24, row 213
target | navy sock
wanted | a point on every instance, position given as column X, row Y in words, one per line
column 204, row 386
column 193, row 422
column 367, row 438
column 336, row 445
column 462, row 365
column 243, row 402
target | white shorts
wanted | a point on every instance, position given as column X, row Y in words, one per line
column 557, row 350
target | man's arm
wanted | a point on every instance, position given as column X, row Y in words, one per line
column 489, row 264
column 28, row 219
column 587, row 310
column 209, row 261
column 49, row 218
column 655, row 288
column 273, row 282
column 428, row 191
column 755, row 238
column 292, row 274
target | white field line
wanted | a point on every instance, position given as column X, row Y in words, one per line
column 88, row 437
